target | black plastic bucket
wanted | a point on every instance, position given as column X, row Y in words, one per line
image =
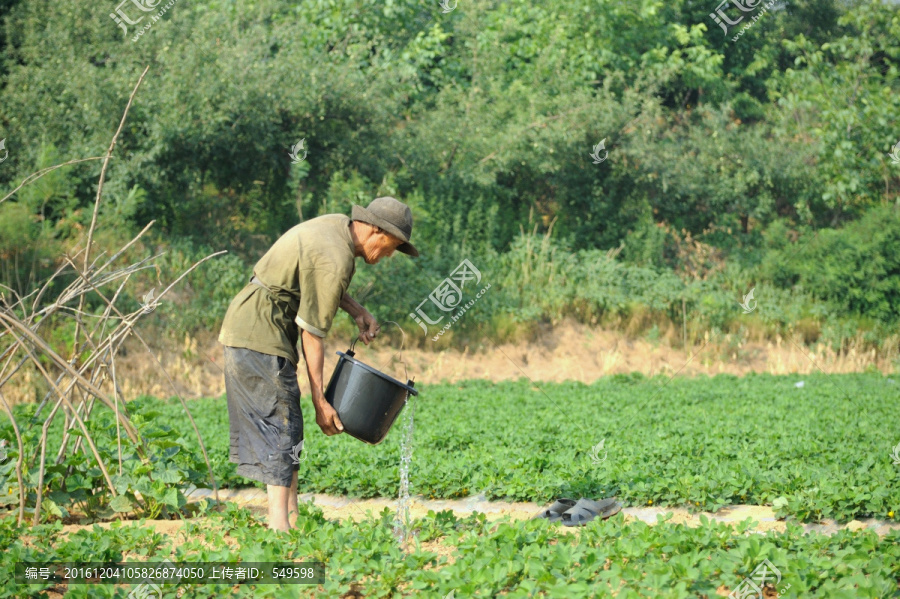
column 366, row 400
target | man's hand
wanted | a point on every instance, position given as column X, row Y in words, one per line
column 313, row 353
column 328, row 420
column 368, row 326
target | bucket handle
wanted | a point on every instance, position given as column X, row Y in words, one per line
column 351, row 353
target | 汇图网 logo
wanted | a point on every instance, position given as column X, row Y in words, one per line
column 296, row 158
column 297, row 454
column 149, row 301
column 600, row 147
column 745, row 6
column 123, row 20
column 150, row 589
column 754, row 585
column 595, row 453
column 895, row 153
column 746, row 303
column 719, row 15
column 146, row 590
column 128, row 9
column 448, row 295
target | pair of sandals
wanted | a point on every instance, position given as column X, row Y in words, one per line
column 579, row 513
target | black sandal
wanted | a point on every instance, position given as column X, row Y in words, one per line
column 554, row 512
column 586, row 510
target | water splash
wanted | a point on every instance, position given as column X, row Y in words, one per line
column 401, row 520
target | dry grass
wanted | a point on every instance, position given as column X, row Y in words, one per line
column 568, row 351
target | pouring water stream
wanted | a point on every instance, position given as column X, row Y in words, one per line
column 401, row 517
column 401, row 520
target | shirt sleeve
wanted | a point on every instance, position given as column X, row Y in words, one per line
column 320, row 297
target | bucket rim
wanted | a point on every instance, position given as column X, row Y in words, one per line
column 387, row 377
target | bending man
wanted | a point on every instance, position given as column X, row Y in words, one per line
column 296, row 289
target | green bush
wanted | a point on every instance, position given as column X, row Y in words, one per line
column 483, row 120
column 855, row 270
column 201, row 300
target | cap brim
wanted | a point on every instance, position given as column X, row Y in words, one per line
column 361, row 214
column 408, row 249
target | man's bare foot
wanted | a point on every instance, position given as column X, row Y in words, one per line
column 282, row 526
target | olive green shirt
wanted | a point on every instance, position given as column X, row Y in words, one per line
column 305, row 274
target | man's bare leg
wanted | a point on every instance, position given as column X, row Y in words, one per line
column 278, row 502
column 292, row 510
column 282, row 505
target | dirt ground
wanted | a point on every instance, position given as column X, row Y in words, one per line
column 342, row 508
column 568, row 351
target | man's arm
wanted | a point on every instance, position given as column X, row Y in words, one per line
column 314, row 353
column 368, row 326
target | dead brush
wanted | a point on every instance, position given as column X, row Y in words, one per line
column 88, row 375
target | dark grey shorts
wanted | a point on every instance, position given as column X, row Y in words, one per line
column 264, row 415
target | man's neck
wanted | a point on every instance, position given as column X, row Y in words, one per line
column 359, row 233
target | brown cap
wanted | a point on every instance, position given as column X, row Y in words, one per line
column 393, row 216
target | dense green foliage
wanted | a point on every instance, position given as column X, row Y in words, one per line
column 77, row 482
column 518, row 559
column 721, row 152
column 820, row 451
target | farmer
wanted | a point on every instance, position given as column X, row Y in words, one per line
column 296, row 289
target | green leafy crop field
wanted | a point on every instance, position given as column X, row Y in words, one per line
column 822, row 450
column 517, row 559
column 521, row 559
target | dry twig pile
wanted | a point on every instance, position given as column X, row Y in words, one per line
column 88, row 375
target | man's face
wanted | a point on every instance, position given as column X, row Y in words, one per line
column 380, row 245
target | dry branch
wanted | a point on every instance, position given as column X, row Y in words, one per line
column 35, row 176
column 81, row 378
column 19, row 479
column 112, row 145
